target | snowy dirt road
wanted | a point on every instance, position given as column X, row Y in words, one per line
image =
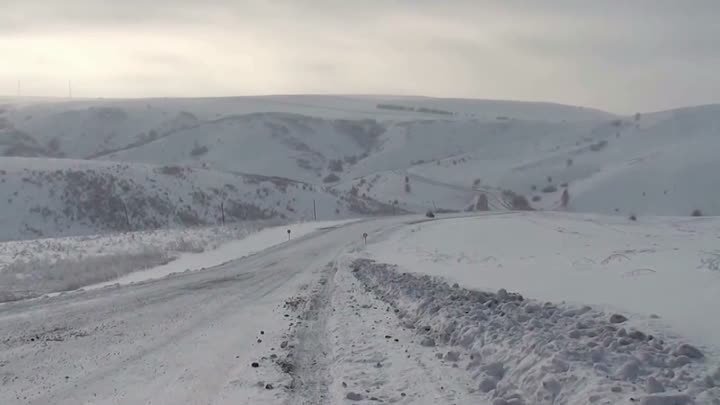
column 313, row 321
column 187, row 339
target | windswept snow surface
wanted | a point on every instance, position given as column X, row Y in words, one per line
column 655, row 266
column 315, row 320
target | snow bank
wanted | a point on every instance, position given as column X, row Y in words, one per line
column 529, row 352
column 35, row 267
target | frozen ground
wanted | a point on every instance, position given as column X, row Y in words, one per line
column 321, row 319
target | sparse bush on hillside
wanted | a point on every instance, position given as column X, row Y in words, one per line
column 335, row 165
column 549, row 189
column 533, row 187
column 482, row 203
column 520, row 203
column 515, row 201
column 697, row 213
column 198, row 150
column 331, row 178
column 565, row 200
column 176, row 171
column 633, row 217
column 549, row 179
column 21, row 280
column 569, row 162
column 598, row 146
column 393, row 107
column 536, row 198
column 477, row 182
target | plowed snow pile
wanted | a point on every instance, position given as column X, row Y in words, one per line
column 524, row 351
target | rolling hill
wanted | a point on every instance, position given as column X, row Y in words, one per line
column 60, row 197
column 413, row 153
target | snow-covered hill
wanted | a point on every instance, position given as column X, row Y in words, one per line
column 452, row 151
column 56, row 197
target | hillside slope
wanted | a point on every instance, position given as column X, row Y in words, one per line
column 452, row 151
column 58, row 197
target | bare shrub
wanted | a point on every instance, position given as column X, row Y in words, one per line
column 598, row 146
column 198, row 150
column 697, row 213
column 27, row 279
column 176, row 171
column 336, row 165
column 516, row 202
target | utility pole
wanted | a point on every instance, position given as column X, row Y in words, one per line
column 314, row 210
column 222, row 211
column 127, row 215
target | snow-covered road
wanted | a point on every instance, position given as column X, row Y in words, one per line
column 186, row 339
column 314, row 321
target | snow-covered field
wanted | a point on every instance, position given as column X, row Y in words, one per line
column 322, row 319
column 31, row 268
column 654, row 266
column 558, row 306
column 660, row 274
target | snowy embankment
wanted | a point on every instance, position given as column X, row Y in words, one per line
column 606, row 310
column 36, row 267
column 523, row 351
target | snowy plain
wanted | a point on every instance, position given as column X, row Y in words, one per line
column 654, row 266
column 31, row 268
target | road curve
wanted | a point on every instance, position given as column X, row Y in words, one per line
column 185, row 339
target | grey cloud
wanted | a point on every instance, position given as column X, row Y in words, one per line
column 614, row 54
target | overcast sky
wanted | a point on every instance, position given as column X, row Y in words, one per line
column 619, row 55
